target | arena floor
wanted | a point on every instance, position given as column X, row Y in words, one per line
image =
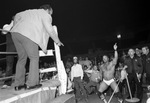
column 95, row 99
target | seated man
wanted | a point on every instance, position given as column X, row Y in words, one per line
column 95, row 78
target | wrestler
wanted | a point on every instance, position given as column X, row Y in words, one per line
column 108, row 70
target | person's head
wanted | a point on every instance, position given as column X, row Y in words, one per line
column 67, row 70
column 80, row 58
column 86, row 58
column 75, row 59
column 105, row 58
column 138, row 51
column 145, row 50
column 47, row 8
column 68, row 59
column 123, row 53
column 131, row 52
column 94, row 67
column 120, row 64
column 85, row 67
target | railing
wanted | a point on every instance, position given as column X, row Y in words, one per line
column 60, row 66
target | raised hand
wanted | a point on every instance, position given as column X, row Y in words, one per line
column 115, row 46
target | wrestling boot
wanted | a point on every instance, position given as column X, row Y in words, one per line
column 119, row 97
column 102, row 97
column 120, row 100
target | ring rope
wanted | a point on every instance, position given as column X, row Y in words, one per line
column 8, row 52
column 2, row 43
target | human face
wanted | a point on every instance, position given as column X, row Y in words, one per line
column 131, row 52
column 137, row 51
column 80, row 58
column 86, row 58
column 75, row 60
column 144, row 51
column 95, row 67
column 105, row 58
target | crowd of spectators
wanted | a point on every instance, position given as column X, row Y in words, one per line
column 91, row 80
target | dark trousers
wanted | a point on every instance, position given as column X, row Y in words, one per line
column 26, row 48
column 10, row 47
column 147, row 78
column 91, row 84
column 79, row 88
column 122, row 86
column 134, row 83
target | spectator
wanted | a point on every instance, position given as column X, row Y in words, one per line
column 95, row 78
column 88, row 63
column 134, row 71
column 146, row 63
column 77, row 77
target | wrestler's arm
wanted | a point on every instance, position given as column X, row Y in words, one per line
column 115, row 55
column 47, row 21
column 88, row 71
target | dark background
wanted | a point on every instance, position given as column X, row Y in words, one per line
column 90, row 24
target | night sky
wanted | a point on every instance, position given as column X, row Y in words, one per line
column 84, row 24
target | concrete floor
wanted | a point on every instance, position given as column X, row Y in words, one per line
column 95, row 99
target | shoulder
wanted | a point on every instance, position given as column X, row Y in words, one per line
column 79, row 65
column 72, row 66
column 127, row 59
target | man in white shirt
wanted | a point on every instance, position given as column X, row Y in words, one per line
column 77, row 77
column 31, row 30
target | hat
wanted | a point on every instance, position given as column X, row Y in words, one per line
column 75, row 57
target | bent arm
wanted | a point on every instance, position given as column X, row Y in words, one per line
column 88, row 71
column 50, row 29
column 115, row 54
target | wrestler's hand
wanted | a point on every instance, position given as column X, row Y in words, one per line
column 125, row 67
column 115, row 46
column 121, row 80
